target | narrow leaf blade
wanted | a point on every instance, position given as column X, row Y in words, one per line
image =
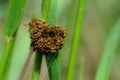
column 76, row 36
column 14, row 16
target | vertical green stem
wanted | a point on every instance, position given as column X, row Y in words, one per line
column 71, row 15
column 37, row 65
column 75, row 41
column 38, row 57
column 53, row 64
column 53, row 60
column 69, row 26
column 5, row 56
column 45, row 9
column 70, row 21
column 14, row 17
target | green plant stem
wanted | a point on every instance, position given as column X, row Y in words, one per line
column 9, row 59
column 14, row 17
column 37, row 65
column 53, row 60
column 15, row 13
column 69, row 26
column 38, row 58
column 45, row 9
column 75, row 41
column 108, row 53
column 3, row 61
column 53, row 65
column 70, row 19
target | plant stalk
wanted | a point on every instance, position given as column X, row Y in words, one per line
column 75, row 41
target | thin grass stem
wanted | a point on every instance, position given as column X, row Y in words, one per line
column 75, row 41
column 3, row 61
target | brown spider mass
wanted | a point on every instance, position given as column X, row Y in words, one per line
column 46, row 38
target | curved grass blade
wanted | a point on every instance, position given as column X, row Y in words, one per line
column 45, row 8
column 38, row 57
column 109, row 53
column 19, row 54
column 52, row 15
column 75, row 41
column 69, row 26
column 37, row 65
column 13, row 20
column 4, row 59
column 53, row 65
column 53, row 61
column 49, row 14
column 14, row 17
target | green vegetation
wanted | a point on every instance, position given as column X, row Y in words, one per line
column 109, row 53
column 88, row 24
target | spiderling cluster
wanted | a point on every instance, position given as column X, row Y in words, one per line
column 46, row 38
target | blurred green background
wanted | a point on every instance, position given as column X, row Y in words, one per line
column 99, row 19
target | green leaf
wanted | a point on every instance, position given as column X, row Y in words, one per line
column 52, row 15
column 75, row 41
column 14, row 16
column 13, row 20
column 38, row 58
column 4, row 59
column 53, row 60
column 109, row 53
column 53, row 64
column 19, row 54
column 45, row 8
column 68, row 26
column 37, row 66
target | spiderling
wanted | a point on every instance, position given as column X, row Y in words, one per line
column 46, row 38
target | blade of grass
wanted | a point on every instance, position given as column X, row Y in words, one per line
column 108, row 53
column 5, row 74
column 14, row 17
column 13, row 20
column 53, row 61
column 37, row 65
column 45, row 8
column 52, row 15
column 3, row 61
column 53, row 64
column 75, row 41
column 70, row 21
column 38, row 57
column 69, row 26
column 49, row 14
column 19, row 53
